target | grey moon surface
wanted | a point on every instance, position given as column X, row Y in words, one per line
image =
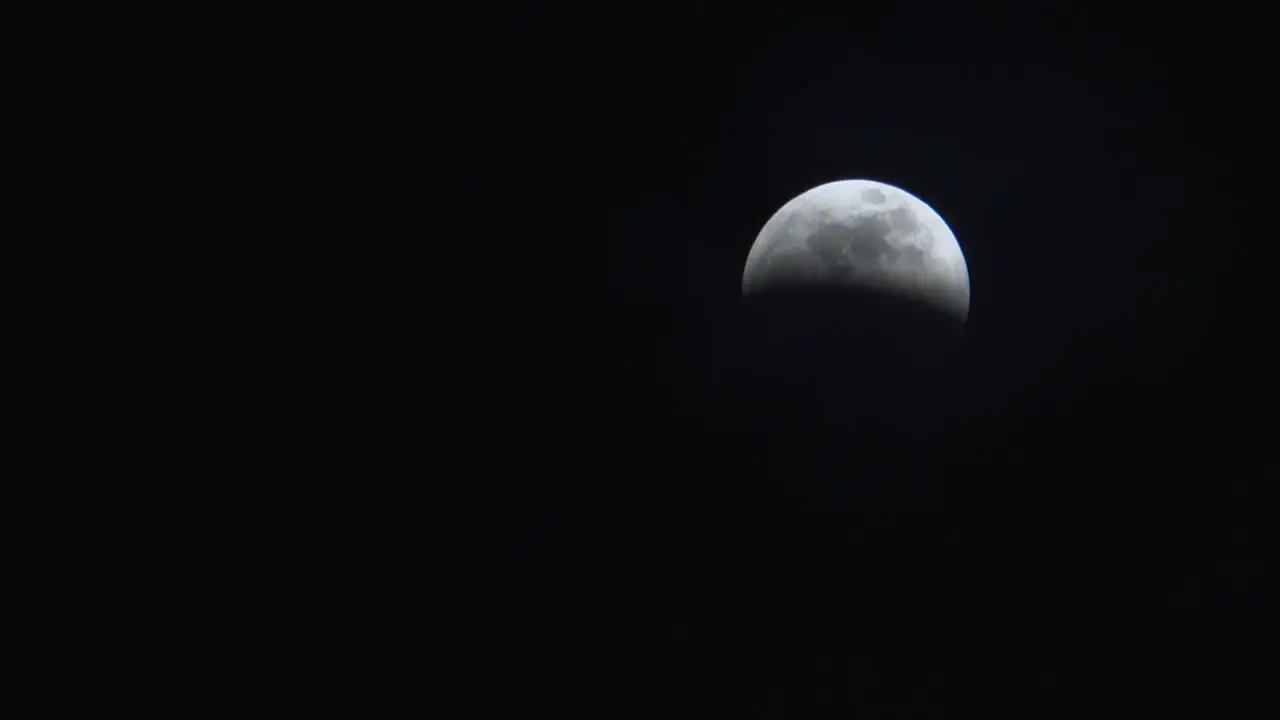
column 865, row 234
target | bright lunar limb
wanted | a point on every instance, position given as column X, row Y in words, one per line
column 864, row 234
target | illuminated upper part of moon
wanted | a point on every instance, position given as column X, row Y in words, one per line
column 861, row 233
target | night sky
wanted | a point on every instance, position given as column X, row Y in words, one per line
column 1079, row 525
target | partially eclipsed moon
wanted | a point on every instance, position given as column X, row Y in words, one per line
column 864, row 234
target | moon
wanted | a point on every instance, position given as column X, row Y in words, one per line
column 861, row 234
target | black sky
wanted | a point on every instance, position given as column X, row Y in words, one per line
column 1084, row 525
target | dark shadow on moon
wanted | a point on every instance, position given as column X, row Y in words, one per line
column 815, row 532
column 871, row 356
